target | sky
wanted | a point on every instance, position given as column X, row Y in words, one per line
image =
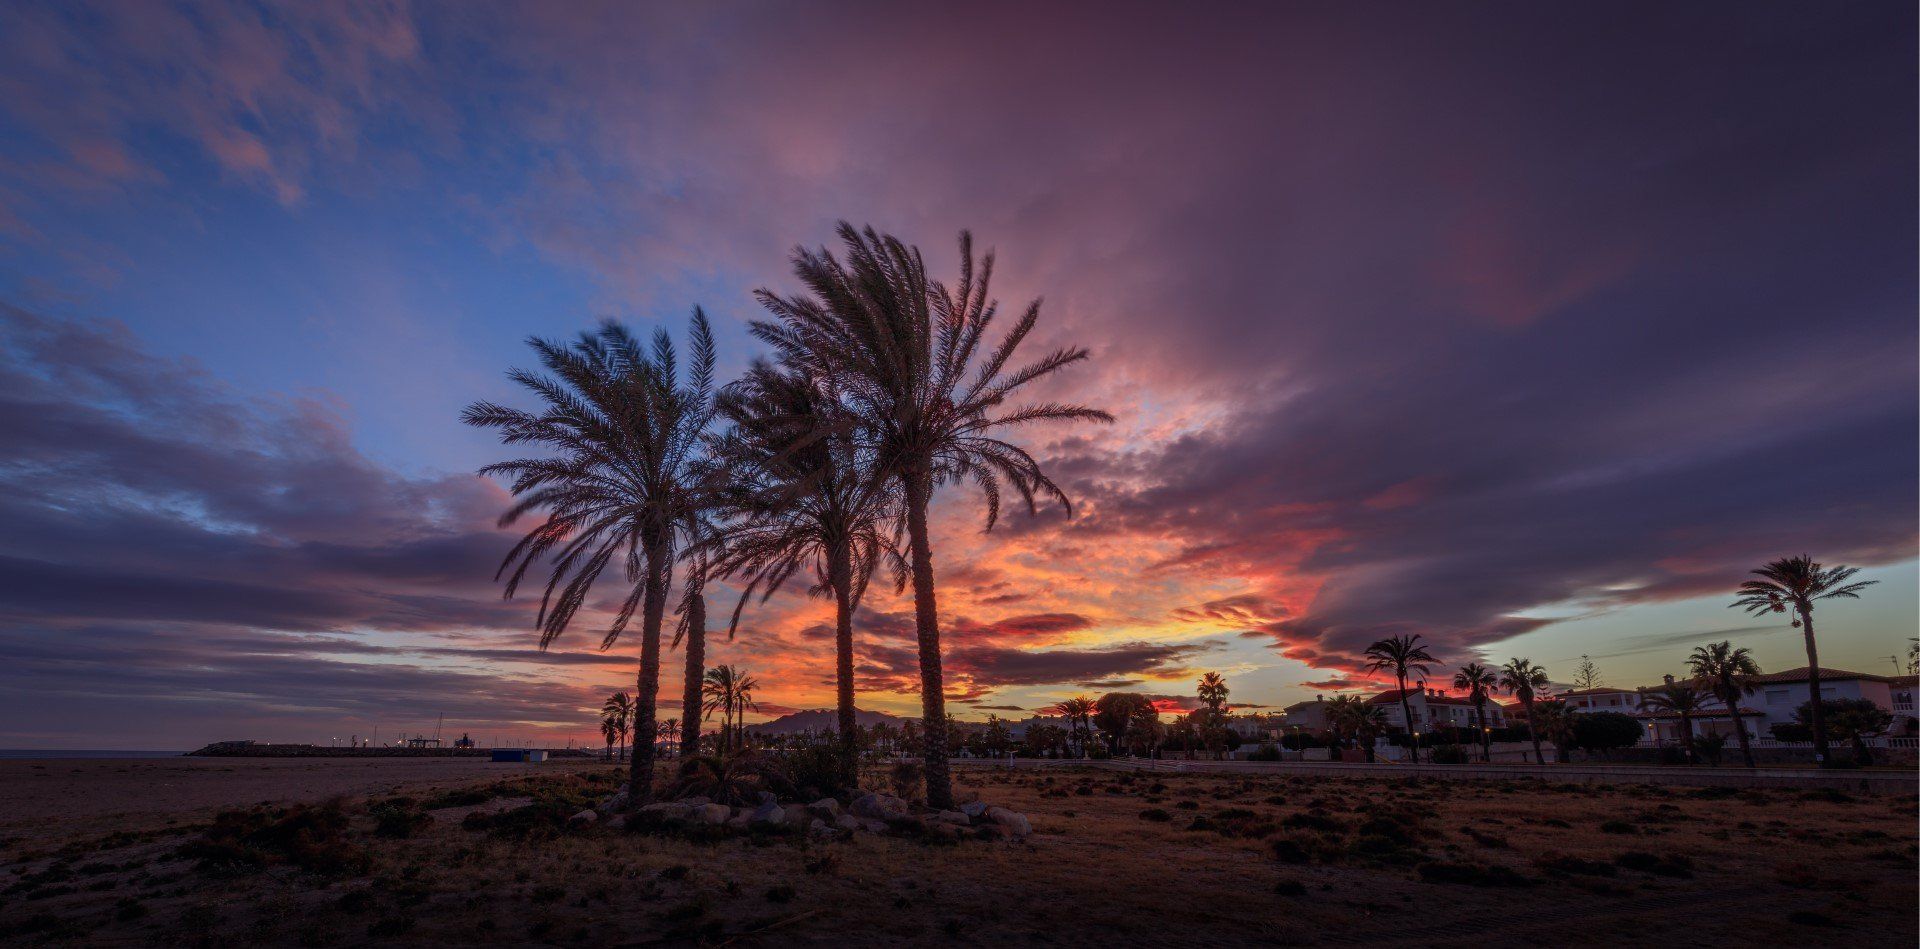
column 1528, row 328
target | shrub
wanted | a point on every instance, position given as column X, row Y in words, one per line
column 399, row 822
column 1618, row 827
column 1575, row 866
column 907, row 779
column 1264, row 753
column 1304, row 848
column 1156, row 814
column 309, row 837
column 816, row 771
column 1673, row 865
column 1449, row 754
column 1468, row 874
column 1290, row 888
column 1605, row 731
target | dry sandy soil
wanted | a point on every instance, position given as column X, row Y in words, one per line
column 1188, row 860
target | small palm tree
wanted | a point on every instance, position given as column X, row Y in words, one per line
column 617, row 712
column 619, row 478
column 1555, row 721
column 1213, row 695
column 1724, row 671
column 1402, row 654
column 1524, row 680
column 1358, row 719
column 729, row 691
column 1478, row 681
column 1078, row 711
column 903, row 348
column 1680, row 699
column 803, row 495
column 1795, row 583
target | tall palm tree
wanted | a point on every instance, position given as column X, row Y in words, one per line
column 1795, row 583
column 729, row 691
column 1402, row 654
column 618, row 712
column 1078, row 712
column 803, row 494
column 1213, row 696
column 690, row 633
column 619, row 477
column 1724, row 671
column 1681, row 699
column 1524, row 679
column 902, row 349
column 1478, row 681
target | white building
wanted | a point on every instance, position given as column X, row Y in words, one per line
column 1432, row 710
column 1774, row 700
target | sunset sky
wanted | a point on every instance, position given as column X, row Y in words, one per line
column 1526, row 327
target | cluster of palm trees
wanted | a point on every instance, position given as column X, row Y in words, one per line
column 883, row 386
column 728, row 690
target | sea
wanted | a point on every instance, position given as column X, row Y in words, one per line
column 6, row 753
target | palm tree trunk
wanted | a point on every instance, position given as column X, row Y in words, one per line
column 840, row 576
column 1739, row 728
column 1532, row 734
column 926, row 615
column 1686, row 737
column 1406, row 709
column 1813, row 690
column 696, row 672
column 647, row 688
column 1486, row 737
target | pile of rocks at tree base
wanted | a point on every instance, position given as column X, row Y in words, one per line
column 868, row 812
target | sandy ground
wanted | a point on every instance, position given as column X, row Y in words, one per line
column 58, row 796
column 1168, row 860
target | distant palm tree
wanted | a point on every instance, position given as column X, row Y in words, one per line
column 611, row 733
column 1724, row 671
column 619, row 477
column 1213, row 693
column 1681, row 699
column 1478, row 681
column 1078, row 711
column 902, row 349
column 1402, row 654
column 804, row 495
column 1524, row 679
column 1555, row 722
column 669, row 732
column 618, row 712
column 1795, row 583
column 729, row 691
column 1358, row 719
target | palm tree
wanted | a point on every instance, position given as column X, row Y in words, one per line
column 1555, row 722
column 1478, row 681
column 618, row 712
column 1522, row 678
column 1402, row 654
column 1723, row 669
column 669, row 732
column 803, row 495
column 611, row 732
column 901, row 348
column 1078, row 712
column 691, row 632
column 729, row 691
column 1357, row 718
column 1681, row 699
column 1213, row 695
column 620, row 477
column 1795, row 583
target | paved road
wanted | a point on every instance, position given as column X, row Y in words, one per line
column 1866, row 782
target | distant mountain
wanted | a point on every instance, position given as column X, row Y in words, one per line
column 819, row 720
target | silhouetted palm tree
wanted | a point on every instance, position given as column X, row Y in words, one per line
column 1723, row 670
column 1357, row 718
column 901, row 349
column 729, row 691
column 620, row 479
column 804, row 495
column 1402, row 654
column 1524, row 679
column 1795, row 583
column 618, row 712
column 1478, row 681
column 1681, row 699
column 1213, row 696
column 1078, row 712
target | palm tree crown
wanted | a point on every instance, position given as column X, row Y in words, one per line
column 1723, row 670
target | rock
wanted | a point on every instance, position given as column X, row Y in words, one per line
column 941, row 830
column 990, row 831
column 872, row 826
column 696, row 801
column 618, row 802
column 849, row 823
column 714, row 814
column 952, row 817
column 668, row 811
column 973, row 809
column 587, row 816
column 766, row 797
column 768, row 814
column 1014, row 824
column 826, row 808
column 879, row 806
column 797, row 815
column 617, row 822
column 819, row 828
column 739, row 820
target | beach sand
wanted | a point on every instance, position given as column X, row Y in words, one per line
column 60, row 797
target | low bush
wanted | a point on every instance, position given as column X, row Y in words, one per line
column 311, row 837
column 1673, row 865
column 1469, row 874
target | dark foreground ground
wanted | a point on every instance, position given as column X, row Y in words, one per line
column 1199, row 860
